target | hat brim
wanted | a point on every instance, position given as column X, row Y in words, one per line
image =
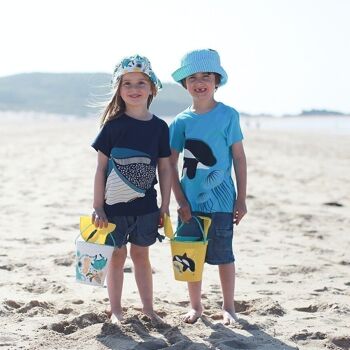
column 193, row 68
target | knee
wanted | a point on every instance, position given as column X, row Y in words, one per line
column 118, row 257
column 139, row 255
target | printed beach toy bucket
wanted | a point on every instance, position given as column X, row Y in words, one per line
column 188, row 253
column 92, row 254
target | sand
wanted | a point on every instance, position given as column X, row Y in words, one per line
column 292, row 249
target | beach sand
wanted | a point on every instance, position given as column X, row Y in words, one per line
column 292, row 249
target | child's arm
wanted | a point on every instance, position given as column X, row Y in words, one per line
column 184, row 208
column 164, row 174
column 240, row 167
column 99, row 217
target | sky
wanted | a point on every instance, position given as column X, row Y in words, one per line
column 281, row 56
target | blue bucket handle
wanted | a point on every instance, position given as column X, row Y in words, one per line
column 204, row 232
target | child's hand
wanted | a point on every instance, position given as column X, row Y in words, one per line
column 99, row 218
column 162, row 211
column 184, row 212
column 239, row 211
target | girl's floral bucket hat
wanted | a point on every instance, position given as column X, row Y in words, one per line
column 132, row 64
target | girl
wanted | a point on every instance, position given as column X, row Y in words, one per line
column 131, row 145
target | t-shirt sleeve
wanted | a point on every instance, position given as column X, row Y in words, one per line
column 164, row 147
column 233, row 132
column 102, row 141
column 177, row 135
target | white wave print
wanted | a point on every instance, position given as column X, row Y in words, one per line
column 117, row 191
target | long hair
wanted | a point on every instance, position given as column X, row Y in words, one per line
column 116, row 105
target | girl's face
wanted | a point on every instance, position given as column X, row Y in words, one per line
column 201, row 85
column 135, row 89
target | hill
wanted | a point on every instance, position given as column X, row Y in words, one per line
column 76, row 94
column 321, row 112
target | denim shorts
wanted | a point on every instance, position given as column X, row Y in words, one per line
column 220, row 237
column 139, row 230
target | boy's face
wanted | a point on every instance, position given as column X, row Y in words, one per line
column 201, row 85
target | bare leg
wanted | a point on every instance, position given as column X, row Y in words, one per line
column 143, row 277
column 115, row 278
column 194, row 291
column 227, row 278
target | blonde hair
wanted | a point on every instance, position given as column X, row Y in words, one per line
column 116, row 105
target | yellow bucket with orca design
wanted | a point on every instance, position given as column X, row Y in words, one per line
column 188, row 253
column 92, row 253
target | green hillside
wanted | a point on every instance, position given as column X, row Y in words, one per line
column 75, row 94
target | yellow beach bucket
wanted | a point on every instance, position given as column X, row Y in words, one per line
column 188, row 253
column 92, row 253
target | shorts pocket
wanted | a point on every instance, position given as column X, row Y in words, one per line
column 223, row 223
column 224, row 233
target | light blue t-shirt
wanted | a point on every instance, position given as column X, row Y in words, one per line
column 206, row 141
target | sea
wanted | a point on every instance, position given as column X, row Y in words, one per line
column 310, row 124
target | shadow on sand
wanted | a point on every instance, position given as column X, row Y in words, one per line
column 136, row 334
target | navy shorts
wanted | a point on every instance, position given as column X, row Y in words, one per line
column 139, row 230
column 220, row 237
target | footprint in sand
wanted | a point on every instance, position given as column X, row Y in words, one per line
column 324, row 307
column 304, row 335
column 341, row 342
column 268, row 292
column 52, row 239
column 32, row 308
column 37, row 288
column 82, row 321
column 263, row 306
column 293, row 269
column 65, row 261
column 10, row 306
column 35, row 304
column 65, row 311
column 57, row 289
column 183, row 303
column 333, row 204
column 12, row 267
column 8, row 267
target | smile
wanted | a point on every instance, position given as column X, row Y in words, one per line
column 135, row 96
column 200, row 90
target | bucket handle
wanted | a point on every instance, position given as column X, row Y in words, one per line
column 207, row 223
column 80, row 234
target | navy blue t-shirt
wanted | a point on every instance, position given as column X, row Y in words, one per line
column 133, row 147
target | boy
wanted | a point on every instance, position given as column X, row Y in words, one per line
column 210, row 135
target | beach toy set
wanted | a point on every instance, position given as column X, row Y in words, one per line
column 188, row 253
column 92, row 253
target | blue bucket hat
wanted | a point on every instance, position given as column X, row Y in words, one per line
column 135, row 63
column 206, row 60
